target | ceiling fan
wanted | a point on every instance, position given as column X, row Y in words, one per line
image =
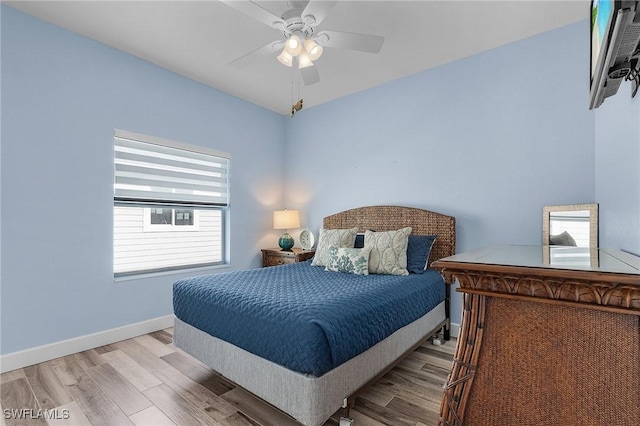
column 302, row 43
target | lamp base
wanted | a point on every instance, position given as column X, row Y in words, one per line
column 285, row 242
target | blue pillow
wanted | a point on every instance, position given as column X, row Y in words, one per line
column 418, row 251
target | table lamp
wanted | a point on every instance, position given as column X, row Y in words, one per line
column 286, row 219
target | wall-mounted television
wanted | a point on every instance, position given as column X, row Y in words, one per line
column 615, row 34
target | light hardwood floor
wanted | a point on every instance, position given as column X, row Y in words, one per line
column 147, row 381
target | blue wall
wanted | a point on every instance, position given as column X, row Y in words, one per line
column 617, row 185
column 489, row 139
column 62, row 97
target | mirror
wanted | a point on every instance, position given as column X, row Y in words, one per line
column 571, row 225
column 568, row 257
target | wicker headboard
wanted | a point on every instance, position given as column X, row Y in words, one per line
column 388, row 218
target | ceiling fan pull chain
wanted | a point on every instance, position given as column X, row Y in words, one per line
column 295, row 105
column 292, row 94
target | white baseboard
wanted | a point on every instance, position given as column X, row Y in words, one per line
column 51, row 351
column 55, row 350
column 454, row 330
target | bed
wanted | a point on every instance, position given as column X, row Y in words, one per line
column 306, row 340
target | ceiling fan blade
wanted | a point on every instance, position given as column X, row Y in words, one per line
column 353, row 41
column 256, row 11
column 260, row 52
column 310, row 75
column 316, row 10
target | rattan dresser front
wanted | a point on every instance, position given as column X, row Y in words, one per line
column 543, row 343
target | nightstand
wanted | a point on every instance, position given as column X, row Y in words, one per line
column 275, row 256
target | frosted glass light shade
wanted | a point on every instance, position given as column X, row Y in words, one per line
column 314, row 50
column 293, row 45
column 286, row 219
column 285, row 58
column 304, row 61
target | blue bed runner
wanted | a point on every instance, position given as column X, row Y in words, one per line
column 301, row 316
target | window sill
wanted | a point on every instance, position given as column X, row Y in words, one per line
column 173, row 272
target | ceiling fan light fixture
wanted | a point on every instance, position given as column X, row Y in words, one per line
column 304, row 61
column 293, row 45
column 285, row 58
column 313, row 49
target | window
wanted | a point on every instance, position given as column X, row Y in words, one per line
column 160, row 216
column 170, row 201
column 182, row 217
column 171, row 220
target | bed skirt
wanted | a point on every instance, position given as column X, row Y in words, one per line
column 308, row 399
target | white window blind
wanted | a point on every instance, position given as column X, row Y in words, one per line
column 170, row 202
column 154, row 171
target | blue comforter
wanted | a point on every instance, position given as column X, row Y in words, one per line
column 301, row 316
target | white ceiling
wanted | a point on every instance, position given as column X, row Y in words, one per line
column 199, row 38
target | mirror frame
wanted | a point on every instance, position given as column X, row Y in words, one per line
column 593, row 220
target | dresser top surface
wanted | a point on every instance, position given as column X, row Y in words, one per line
column 549, row 257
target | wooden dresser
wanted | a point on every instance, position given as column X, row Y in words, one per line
column 549, row 336
column 277, row 256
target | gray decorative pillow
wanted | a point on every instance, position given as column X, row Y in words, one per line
column 564, row 239
column 332, row 237
column 388, row 251
column 349, row 260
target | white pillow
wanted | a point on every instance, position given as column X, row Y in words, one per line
column 332, row 237
column 388, row 251
column 349, row 260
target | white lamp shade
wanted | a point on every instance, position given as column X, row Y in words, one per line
column 286, row 219
column 314, row 50
column 285, row 58
column 304, row 61
column 293, row 45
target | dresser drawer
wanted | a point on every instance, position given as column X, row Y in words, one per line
column 275, row 260
column 275, row 256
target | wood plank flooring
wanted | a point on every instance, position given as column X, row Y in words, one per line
column 146, row 381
